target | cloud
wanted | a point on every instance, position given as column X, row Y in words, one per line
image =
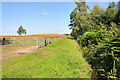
column 44, row 13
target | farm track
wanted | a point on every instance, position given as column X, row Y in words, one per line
column 16, row 50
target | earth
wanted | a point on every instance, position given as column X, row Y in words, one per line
column 9, row 51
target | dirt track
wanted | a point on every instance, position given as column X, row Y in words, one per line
column 9, row 51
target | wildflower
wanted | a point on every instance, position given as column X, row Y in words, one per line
column 112, row 51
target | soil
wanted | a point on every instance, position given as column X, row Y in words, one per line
column 7, row 55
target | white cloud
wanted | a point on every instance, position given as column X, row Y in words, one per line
column 44, row 13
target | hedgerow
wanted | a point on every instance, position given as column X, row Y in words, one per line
column 97, row 31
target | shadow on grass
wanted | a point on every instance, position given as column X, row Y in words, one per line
column 70, row 38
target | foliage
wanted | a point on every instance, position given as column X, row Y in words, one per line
column 105, row 55
column 79, row 19
column 21, row 31
column 98, row 33
column 67, row 34
column 95, row 16
column 88, row 38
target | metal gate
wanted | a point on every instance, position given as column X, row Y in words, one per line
column 38, row 41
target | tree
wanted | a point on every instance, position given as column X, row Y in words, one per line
column 96, row 14
column 98, row 33
column 110, row 13
column 21, row 31
column 79, row 19
column 24, row 31
column 117, row 16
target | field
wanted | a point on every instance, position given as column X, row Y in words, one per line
column 60, row 59
column 39, row 35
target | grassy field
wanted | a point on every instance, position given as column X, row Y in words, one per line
column 61, row 59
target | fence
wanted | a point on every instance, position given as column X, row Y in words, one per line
column 0, row 40
column 38, row 41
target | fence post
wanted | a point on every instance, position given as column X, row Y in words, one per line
column 3, row 41
column 45, row 42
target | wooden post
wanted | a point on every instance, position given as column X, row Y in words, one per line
column 45, row 42
column 3, row 41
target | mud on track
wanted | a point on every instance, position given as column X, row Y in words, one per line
column 9, row 51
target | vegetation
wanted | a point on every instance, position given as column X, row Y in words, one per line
column 57, row 60
column 21, row 31
column 98, row 33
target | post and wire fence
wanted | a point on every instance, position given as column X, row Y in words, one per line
column 32, row 41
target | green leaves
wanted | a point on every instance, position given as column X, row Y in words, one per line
column 78, row 19
column 98, row 32
column 21, row 31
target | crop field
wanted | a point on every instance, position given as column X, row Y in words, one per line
column 39, row 35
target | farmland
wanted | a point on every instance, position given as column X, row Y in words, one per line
column 39, row 35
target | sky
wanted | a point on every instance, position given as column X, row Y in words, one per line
column 39, row 17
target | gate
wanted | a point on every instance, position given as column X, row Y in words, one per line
column 33, row 41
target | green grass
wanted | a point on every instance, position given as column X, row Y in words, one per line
column 61, row 59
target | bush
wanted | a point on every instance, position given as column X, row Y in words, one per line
column 88, row 38
column 97, row 47
column 79, row 39
column 101, row 35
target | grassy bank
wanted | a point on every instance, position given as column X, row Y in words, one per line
column 61, row 59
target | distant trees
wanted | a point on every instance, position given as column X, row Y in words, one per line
column 21, row 31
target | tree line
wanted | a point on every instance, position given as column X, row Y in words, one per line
column 97, row 31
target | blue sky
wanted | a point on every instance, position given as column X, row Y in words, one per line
column 38, row 17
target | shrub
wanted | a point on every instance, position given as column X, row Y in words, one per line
column 101, row 35
column 79, row 39
column 88, row 38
